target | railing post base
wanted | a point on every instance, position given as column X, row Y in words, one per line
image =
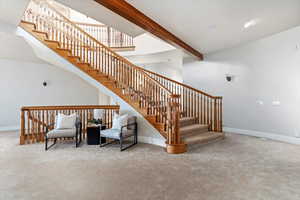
column 22, row 140
column 176, row 148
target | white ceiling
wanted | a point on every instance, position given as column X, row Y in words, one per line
column 212, row 25
column 96, row 11
column 11, row 11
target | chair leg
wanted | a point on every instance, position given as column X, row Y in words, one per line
column 46, row 144
column 127, row 147
column 100, row 141
column 121, row 143
column 76, row 141
column 135, row 138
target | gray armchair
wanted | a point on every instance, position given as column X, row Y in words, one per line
column 75, row 133
column 127, row 131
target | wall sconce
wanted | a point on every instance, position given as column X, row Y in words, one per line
column 229, row 77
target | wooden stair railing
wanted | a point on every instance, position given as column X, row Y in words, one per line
column 107, row 35
column 34, row 119
column 206, row 109
column 128, row 81
column 104, row 34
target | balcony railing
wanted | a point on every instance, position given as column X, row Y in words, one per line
column 107, row 35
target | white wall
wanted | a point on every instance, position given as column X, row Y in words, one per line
column 167, row 63
column 21, row 85
column 265, row 71
column 147, row 44
column 22, row 73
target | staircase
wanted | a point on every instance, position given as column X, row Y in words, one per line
column 181, row 114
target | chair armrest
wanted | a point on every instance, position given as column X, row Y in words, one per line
column 49, row 126
column 126, row 126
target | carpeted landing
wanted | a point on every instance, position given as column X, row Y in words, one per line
column 237, row 168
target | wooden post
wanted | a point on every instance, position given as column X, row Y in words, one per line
column 121, row 40
column 174, row 142
column 108, row 36
column 22, row 133
column 221, row 114
column 215, row 125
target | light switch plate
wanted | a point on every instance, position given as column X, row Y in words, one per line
column 260, row 102
column 276, row 103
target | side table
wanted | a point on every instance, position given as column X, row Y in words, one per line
column 93, row 134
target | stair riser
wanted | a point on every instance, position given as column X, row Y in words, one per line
column 73, row 60
column 206, row 140
column 152, row 119
column 28, row 27
column 64, row 53
column 52, row 45
column 93, row 73
column 84, row 67
column 160, row 126
column 193, row 132
column 187, row 122
column 40, row 36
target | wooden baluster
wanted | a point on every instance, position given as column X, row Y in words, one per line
column 108, row 37
column 22, row 136
column 221, row 115
column 38, row 138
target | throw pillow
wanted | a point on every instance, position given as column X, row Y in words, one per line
column 119, row 121
column 65, row 121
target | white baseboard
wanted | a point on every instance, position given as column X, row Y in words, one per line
column 9, row 128
column 272, row 136
column 151, row 140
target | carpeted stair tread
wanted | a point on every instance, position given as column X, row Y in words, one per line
column 203, row 138
column 194, row 129
column 186, row 121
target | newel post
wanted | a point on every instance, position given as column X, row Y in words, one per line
column 22, row 131
column 221, row 114
column 174, row 143
column 215, row 123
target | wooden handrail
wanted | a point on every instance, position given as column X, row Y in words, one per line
column 75, row 107
column 182, row 84
column 35, row 119
column 107, row 35
column 89, row 24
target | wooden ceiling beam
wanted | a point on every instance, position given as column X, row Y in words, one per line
column 124, row 9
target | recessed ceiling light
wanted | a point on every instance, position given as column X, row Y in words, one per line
column 251, row 23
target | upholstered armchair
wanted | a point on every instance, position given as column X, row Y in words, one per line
column 125, row 131
column 54, row 133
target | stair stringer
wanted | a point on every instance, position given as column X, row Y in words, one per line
column 147, row 133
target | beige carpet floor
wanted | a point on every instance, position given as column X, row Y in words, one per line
column 237, row 168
